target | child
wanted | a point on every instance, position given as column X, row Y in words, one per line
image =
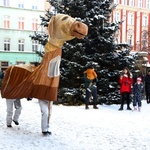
column 137, row 94
column 92, row 76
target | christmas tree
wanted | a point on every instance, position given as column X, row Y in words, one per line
column 97, row 49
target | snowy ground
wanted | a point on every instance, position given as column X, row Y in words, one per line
column 74, row 128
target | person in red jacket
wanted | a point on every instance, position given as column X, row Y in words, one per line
column 125, row 87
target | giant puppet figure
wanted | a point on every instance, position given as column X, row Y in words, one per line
column 20, row 81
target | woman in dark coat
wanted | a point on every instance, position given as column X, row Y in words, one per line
column 147, row 86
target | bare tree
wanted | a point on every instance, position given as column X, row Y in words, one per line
column 145, row 41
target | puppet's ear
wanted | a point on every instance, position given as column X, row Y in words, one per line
column 50, row 26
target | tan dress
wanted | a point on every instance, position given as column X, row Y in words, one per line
column 42, row 83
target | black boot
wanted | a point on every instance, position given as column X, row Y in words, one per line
column 128, row 108
column 95, row 107
column 29, row 99
column 128, row 104
column 46, row 133
column 16, row 122
column 86, row 107
column 9, row 126
column 121, row 108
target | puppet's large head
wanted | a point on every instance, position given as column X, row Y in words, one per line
column 64, row 28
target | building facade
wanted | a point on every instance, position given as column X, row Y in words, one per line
column 135, row 28
column 18, row 20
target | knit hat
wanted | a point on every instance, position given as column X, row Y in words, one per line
column 139, row 79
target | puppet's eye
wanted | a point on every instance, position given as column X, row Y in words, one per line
column 64, row 18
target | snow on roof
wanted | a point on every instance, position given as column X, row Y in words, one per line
column 148, row 65
column 139, row 53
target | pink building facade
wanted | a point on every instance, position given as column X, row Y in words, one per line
column 135, row 29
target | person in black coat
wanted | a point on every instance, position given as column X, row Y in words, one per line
column 147, row 86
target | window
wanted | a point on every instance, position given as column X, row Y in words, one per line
column 21, row 45
column 34, row 46
column 130, row 40
column 34, row 7
column 6, row 44
column 20, row 62
column 20, row 4
column 140, row 3
column 6, row 22
column 117, row 16
column 4, row 63
column 6, row 3
column 131, row 3
column 130, row 19
column 34, row 24
column 124, row 2
column 130, row 33
column 117, row 37
column 145, row 21
column 116, row 1
column 148, row 4
column 21, row 23
column 34, row 4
